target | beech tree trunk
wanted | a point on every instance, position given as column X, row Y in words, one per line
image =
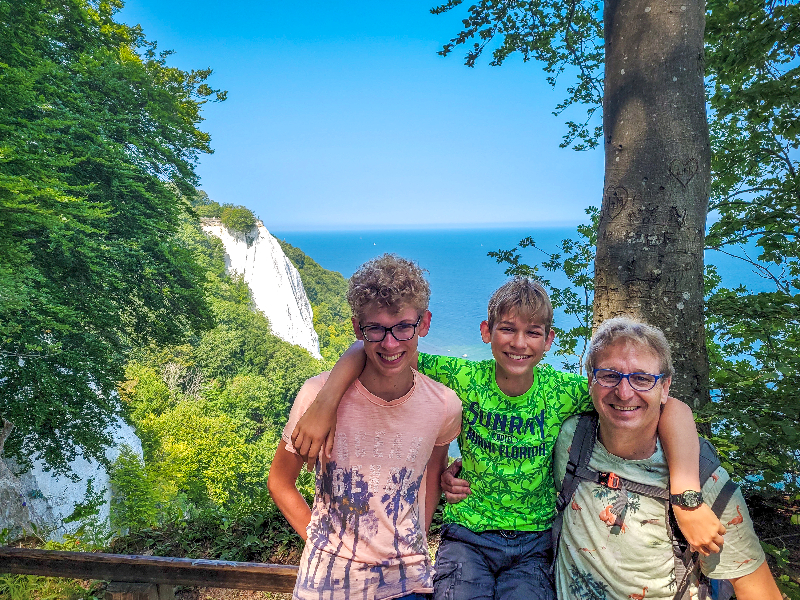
column 649, row 260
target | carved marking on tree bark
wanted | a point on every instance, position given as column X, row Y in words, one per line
column 684, row 170
column 615, row 199
column 677, row 216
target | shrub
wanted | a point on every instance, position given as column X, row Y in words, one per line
column 134, row 499
column 238, row 218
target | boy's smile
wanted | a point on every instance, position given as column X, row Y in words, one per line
column 517, row 346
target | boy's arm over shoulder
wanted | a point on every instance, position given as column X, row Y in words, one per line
column 448, row 370
column 315, row 431
column 304, row 399
column 678, row 435
column 287, row 464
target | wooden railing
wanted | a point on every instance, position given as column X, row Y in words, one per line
column 147, row 577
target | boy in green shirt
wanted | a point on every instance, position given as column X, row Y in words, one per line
column 496, row 542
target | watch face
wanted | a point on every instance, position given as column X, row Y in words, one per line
column 691, row 499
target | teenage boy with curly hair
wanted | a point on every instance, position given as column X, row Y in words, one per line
column 375, row 495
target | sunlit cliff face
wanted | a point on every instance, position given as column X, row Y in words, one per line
column 277, row 289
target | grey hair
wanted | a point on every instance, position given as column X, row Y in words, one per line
column 630, row 330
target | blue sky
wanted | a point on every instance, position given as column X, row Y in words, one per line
column 340, row 115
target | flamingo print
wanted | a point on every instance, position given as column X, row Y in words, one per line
column 715, row 477
column 609, row 518
column 575, row 506
column 638, row 596
column 736, row 520
column 743, row 562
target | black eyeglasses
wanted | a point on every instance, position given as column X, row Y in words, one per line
column 641, row 382
column 402, row 332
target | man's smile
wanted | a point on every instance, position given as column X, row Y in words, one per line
column 624, row 408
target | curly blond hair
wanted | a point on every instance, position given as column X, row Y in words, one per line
column 522, row 295
column 388, row 281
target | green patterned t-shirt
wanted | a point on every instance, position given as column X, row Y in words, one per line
column 507, row 442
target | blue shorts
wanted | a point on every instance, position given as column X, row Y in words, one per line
column 493, row 565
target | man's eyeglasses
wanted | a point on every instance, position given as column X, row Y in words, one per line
column 641, row 382
column 402, row 332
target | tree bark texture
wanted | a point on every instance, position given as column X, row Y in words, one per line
column 649, row 262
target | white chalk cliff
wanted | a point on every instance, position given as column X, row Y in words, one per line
column 49, row 498
column 277, row 289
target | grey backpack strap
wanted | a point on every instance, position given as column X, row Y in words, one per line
column 580, row 453
column 709, row 459
column 686, row 565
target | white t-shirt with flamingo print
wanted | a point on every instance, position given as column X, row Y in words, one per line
column 637, row 562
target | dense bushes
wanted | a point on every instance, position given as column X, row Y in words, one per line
column 237, row 218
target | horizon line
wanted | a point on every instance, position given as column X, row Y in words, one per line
column 373, row 227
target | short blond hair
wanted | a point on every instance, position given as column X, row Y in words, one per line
column 388, row 281
column 636, row 332
column 524, row 296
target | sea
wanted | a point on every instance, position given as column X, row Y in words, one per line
column 462, row 275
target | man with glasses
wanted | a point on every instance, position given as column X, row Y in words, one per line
column 615, row 543
column 375, row 496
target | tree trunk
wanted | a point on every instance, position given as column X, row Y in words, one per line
column 649, row 260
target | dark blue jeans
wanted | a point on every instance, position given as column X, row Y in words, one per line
column 493, row 565
column 415, row 596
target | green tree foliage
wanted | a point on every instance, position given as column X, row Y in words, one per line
column 237, row 218
column 755, row 335
column 575, row 260
column 327, row 292
column 205, row 206
column 135, row 498
column 562, row 36
column 97, row 133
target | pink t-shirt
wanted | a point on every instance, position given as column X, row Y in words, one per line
column 366, row 537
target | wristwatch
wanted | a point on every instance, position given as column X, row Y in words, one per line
column 688, row 499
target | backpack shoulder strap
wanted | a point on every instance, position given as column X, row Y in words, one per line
column 709, row 459
column 580, row 453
